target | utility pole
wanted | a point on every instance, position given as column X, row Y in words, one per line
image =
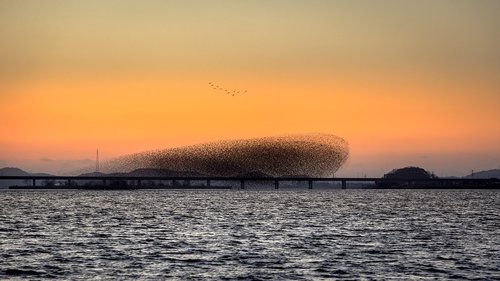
column 97, row 161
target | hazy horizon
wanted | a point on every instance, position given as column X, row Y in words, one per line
column 350, row 169
column 413, row 83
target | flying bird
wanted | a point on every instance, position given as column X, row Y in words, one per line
column 227, row 91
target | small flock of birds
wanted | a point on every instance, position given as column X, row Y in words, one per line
column 226, row 91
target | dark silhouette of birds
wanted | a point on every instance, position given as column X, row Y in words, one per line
column 230, row 92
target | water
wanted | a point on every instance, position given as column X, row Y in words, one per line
column 349, row 234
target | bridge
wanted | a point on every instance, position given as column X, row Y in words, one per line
column 138, row 182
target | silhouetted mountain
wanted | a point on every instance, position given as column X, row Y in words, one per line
column 409, row 173
column 254, row 174
column 401, row 178
column 10, row 171
column 93, row 174
column 162, row 173
column 147, row 173
column 495, row 173
column 295, row 176
column 41, row 174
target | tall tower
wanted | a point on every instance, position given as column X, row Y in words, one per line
column 97, row 161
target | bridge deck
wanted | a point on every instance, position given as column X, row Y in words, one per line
column 135, row 182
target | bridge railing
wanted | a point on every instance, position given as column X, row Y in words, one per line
column 138, row 181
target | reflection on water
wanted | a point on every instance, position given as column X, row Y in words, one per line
column 71, row 234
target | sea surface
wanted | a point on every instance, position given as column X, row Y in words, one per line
column 244, row 234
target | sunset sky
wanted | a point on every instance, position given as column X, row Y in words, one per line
column 404, row 82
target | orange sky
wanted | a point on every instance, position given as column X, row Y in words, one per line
column 107, row 77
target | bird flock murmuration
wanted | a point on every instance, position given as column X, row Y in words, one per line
column 314, row 155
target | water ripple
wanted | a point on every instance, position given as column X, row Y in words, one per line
column 353, row 234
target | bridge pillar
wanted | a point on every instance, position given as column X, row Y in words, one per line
column 276, row 184
column 344, row 184
column 34, row 182
column 310, row 184
column 208, row 183
column 242, row 184
column 138, row 182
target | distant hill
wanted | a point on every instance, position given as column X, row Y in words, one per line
column 163, row 173
column 254, row 174
column 93, row 174
column 147, row 173
column 11, row 171
column 41, row 174
column 495, row 173
column 409, row 173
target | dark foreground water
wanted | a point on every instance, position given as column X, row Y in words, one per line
column 348, row 234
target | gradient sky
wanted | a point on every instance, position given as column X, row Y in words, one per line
column 404, row 82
